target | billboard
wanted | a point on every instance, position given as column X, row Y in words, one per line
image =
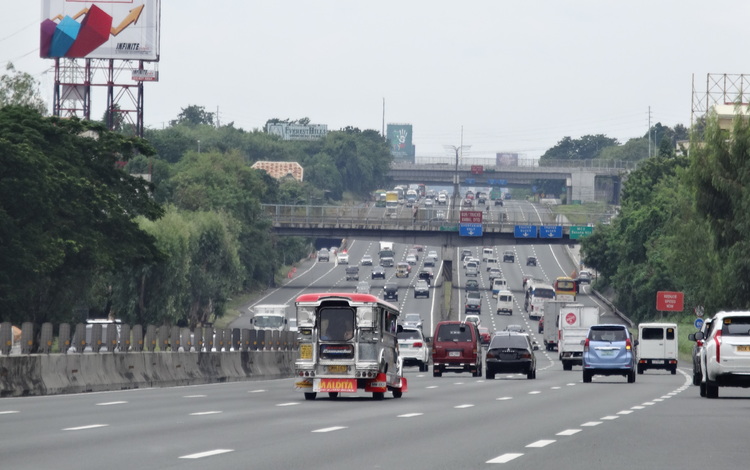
column 104, row 29
column 400, row 141
column 289, row 131
column 506, row 159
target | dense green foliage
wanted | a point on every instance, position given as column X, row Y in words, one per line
column 682, row 227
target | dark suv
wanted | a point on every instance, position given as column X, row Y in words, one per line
column 390, row 291
column 511, row 352
column 456, row 347
column 608, row 350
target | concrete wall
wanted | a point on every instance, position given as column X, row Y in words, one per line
column 50, row 374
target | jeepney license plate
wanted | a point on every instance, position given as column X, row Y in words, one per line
column 454, row 353
column 337, row 369
column 743, row 348
column 305, row 351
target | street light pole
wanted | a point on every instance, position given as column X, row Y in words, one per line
column 456, row 192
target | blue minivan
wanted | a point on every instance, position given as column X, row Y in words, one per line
column 609, row 350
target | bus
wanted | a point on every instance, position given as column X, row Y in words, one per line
column 348, row 342
column 380, row 198
column 566, row 288
column 536, row 294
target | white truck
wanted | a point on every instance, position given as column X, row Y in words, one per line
column 657, row 347
column 551, row 310
column 573, row 324
column 269, row 317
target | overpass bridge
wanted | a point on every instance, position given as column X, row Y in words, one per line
column 426, row 227
column 579, row 176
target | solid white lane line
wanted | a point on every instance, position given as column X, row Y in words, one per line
column 542, row 443
column 90, row 426
column 410, row 415
column 208, row 453
column 505, row 458
column 592, row 423
column 463, row 406
column 204, row 413
column 568, row 432
column 111, row 403
column 332, row 428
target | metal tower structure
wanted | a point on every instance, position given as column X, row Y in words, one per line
column 721, row 89
column 123, row 81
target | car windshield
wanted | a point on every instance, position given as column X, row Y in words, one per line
column 608, row 334
column 411, row 317
column 509, row 341
column 409, row 334
column 459, row 333
column 736, row 326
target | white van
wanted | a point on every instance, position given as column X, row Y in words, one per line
column 657, row 347
column 504, row 302
column 487, row 252
column 472, row 269
column 498, row 284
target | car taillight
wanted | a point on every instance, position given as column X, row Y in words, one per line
column 699, row 343
column 628, row 346
column 586, row 345
column 418, row 344
column 525, row 355
column 490, row 354
column 717, row 339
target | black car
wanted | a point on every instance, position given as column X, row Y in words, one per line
column 511, row 352
column 531, row 261
column 472, row 285
column 390, row 291
column 509, row 257
column 378, row 272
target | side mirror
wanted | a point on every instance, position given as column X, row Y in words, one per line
column 536, row 347
column 428, row 339
column 699, row 336
column 691, row 337
column 635, row 343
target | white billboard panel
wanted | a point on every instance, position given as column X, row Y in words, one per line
column 103, row 29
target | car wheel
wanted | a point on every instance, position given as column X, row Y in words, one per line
column 397, row 393
column 712, row 390
column 703, row 389
column 696, row 378
column 490, row 375
column 310, row 395
column 631, row 377
column 640, row 369
column 436, row 373
column 530, row 374
column 567, row 365
column 333, row 394
column 378, row 395
column 586, row 376
column 674, row 370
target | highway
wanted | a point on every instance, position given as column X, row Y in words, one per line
column 452, row 422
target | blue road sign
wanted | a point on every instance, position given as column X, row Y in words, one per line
column 550, row 231
column 494, row 182
column 470, row 230
column 470, row 181
column 698, row 323
column 524, row 231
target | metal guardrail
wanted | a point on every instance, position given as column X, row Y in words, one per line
column 525, row 163
column 425, row 219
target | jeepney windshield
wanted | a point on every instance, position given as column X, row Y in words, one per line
column 336, row 323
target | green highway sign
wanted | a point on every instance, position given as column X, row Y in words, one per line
column 579, row 231
column 449, row 228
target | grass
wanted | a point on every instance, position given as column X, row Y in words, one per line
column 582, row 213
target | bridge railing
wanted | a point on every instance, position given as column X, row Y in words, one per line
column 466, row 163
column 361, row 217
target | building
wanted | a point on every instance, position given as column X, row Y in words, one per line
column 281, row 170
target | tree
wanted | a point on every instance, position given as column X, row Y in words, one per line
column 67, row 213
column 586, row 148
column 20, row 89
column 192, row 116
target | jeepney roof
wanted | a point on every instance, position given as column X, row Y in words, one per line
column 348, row 296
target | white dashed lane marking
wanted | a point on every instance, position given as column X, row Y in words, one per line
column 463, row 406
column 83, row 428
column 505, row 458
column 592, row 423
column 332, row 428
column 568, row 432
column 110, row 403
column 208, row 453
column 410, row 415
column 542, row 443
column 205, row 413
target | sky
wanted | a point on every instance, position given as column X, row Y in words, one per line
column 491, row 75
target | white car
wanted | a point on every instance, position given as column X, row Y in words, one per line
column 413, row 348
column 343, row 257
column 411, row 259
column 725, row 356
column 366, row 260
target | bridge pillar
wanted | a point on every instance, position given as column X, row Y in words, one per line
column 582, row 188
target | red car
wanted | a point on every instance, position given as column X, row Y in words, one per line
column 484, row 334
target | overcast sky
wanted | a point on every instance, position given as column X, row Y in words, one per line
column 517, row 76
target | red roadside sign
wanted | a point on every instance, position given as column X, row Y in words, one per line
column 470, row 217
column 667, row 301
column 477, row 169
